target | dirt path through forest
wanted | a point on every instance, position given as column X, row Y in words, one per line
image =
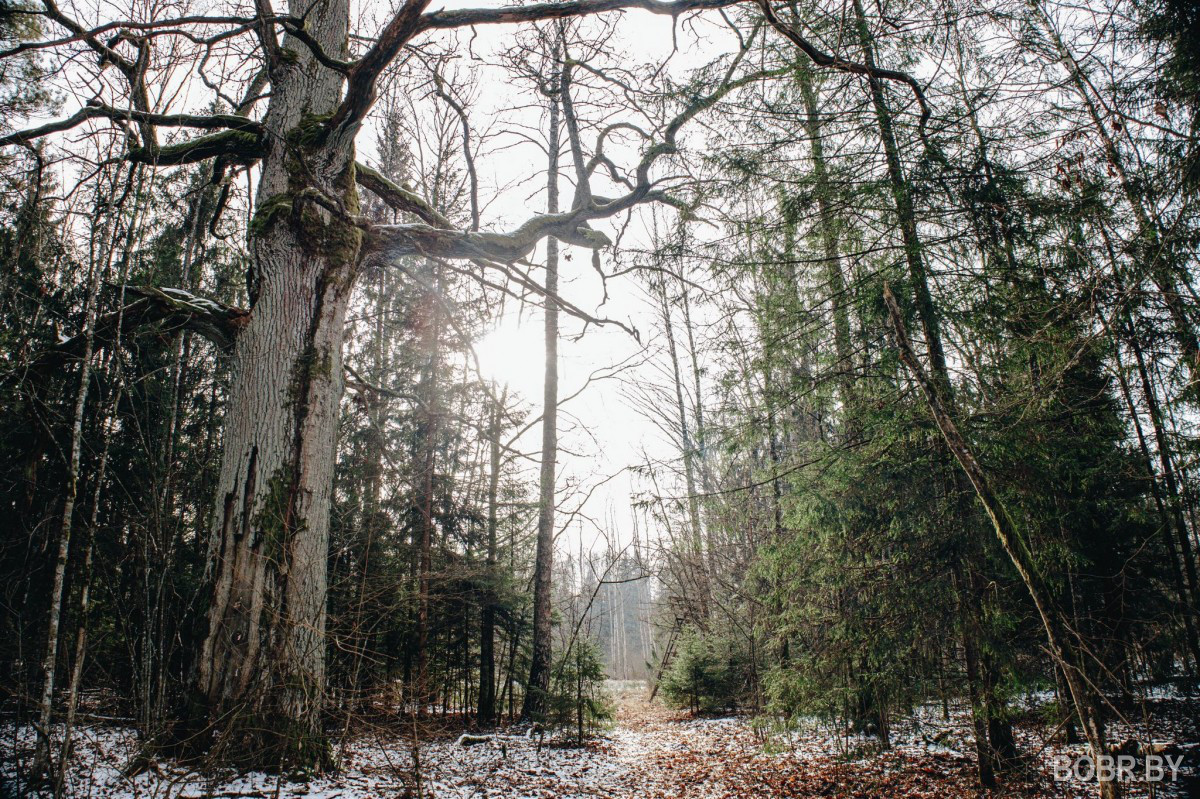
column 651, row 752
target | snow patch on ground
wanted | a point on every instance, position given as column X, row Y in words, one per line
column 650, row 753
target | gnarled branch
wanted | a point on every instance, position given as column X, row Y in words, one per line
column 173, row 309
column 237, row 146
column 399, row 197
column 97, row 110
column 533, row 12
column 571, row 226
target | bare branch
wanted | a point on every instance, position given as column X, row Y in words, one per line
column 573, row 8
column 237, row 146
column 398, row 197
column 824, row 59
column 468, row 156
column 571, row 226
column 169, row 308
column 364, row 75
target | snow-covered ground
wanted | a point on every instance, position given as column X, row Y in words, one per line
column 649, row 753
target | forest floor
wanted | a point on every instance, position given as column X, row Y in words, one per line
column 649, row 752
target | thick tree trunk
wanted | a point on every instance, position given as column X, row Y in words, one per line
column 261, row 667
column 539, row 669
column 260, row 674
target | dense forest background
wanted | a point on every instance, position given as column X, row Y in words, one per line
column 913, row 335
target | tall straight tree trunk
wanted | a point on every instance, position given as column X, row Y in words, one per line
column 685, row 435
column 487, row 618
column 918, row 276
column 374, row 521
column 905, row 214
column 41, row 764
column 1000, row 746
column 697, row 390
column 538, row 685
column 1173, row 503
column 85, row 596
column 983, row 755
column 1166, row 519
column 260, row 673
column 695, row 465
column 997, row 744
column 827, row 220
column 427, row 452
column 1163, row 446
column 1152, row 251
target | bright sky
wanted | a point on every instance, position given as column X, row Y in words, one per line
column 601, row 433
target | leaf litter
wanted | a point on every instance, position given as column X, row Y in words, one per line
column 648, row 753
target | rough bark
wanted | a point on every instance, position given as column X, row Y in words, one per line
column 260, row 675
